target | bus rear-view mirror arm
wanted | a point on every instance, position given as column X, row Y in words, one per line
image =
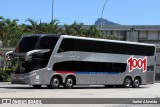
column 29, row 54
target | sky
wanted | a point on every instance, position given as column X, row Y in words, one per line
column 125, row 12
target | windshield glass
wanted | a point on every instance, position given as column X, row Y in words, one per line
column 47, row 43
column 37, row 60
column 26, row 44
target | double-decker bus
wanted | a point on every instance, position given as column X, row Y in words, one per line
column 54, row 60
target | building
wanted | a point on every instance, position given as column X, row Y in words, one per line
column 139, row 33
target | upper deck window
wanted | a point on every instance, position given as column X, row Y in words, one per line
column 29, row 43
column 26, row 44
column 47, row 42
column 69, row 44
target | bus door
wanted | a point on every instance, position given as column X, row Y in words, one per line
column 39, row 62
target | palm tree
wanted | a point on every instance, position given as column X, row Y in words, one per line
column 33, row 27
column 46, row 28
column 42, row 28
column 78, row 28
column 53, row 26
column 93, row 32
column 7, row 29
column 69, row 29
column 74, row 29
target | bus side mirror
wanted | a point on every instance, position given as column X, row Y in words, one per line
column 8, row 55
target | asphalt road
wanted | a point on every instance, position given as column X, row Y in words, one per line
column 8, row 90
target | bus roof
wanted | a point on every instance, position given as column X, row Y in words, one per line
column 88, row 38
column 105, row 40
column 42, row 35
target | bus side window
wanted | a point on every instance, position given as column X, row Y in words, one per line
column 85, row 45
column 67, row 45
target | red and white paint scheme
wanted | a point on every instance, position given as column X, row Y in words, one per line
column 139, row 63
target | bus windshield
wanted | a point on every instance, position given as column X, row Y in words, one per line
column 47, row 43
column 38, row 60
column 26, row 44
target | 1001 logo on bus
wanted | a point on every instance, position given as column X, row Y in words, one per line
column 139, row 63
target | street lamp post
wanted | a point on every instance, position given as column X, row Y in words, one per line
column 52, row 10
column 102, row 14
column 52, row 15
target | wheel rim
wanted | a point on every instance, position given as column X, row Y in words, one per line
column 55, row 82
column 136, row 82
column 128, row 82
column 69, row 82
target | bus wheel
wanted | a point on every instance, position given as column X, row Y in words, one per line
column 127, row 82
column 136, row 83
column 36, row 86
column 55, row 83
column 69, row 83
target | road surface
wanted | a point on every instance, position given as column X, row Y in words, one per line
column 8, row 90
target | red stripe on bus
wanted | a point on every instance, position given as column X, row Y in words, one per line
column 66, row 72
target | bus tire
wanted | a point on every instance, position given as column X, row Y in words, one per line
column 54, row 83
column 136, row 83
column 127, row 82
column 69, row 82
column 37, row 86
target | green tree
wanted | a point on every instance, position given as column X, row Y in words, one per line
column 93, row 32
column 42, row 28
column 69, row 29
column 74, row 29
column 7, row 29
column 33, row 27
column 48, row 28
column 77, row 27
column 53, row 26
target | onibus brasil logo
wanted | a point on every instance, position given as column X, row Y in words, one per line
column 139, row 63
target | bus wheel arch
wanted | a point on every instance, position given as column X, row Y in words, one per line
column 70, row 80
column 55, row 82
column 137, row 82
column 127, row 82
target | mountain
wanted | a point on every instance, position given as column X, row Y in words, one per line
column 104, row 22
